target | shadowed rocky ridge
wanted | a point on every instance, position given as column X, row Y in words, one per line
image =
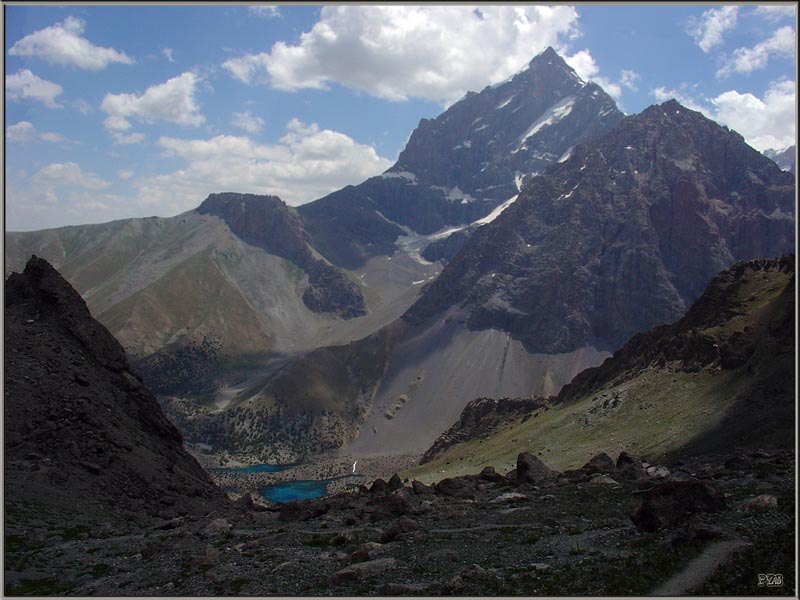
column 81, row 432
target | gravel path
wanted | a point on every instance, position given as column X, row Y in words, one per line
column 700, row 569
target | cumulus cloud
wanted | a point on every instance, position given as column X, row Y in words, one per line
column 167, row 52
column 393, row 52
column 308, row 163
column 768, row 122
column 24, row 85
column 707, row 31
column 83, row 106
column 173, row 101
column 62, row 44
column 248, row 122
column 586, row 67
column 746, row 60
column 765, row 123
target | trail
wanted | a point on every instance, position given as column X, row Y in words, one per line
column 700, row 569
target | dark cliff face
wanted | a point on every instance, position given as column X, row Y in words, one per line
column 459, row 166
column 620, row 237
column 266, row 222
column 81, row 431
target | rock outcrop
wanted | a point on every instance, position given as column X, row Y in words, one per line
column 81, row 432
column 266, row 222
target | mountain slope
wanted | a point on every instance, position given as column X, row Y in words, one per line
column 461, row 165
column 785, row 159
column 81, row 432
column 721, row 377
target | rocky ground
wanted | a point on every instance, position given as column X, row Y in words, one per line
column 611, row 528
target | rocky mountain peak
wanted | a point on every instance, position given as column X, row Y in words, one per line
column 459, row 166
column 621, row 236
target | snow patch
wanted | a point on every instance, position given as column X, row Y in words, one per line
column 566, row 154
column 505, row 102
column 496, row 212
column 569, row 193
column 400, row 174
column 552, row 115
column 464, row 144
column 455, row 194
column 481, row 128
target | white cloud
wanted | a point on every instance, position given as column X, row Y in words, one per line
column 765, row 123
column 131, row 138
column 707, row 31
column 173, row 101
column 745, row 60
column 247, row 122
column 25, row 131
column 768, row 122
column 49, row 136
column 62, row 44
column 393, row 52
column 264, row 11
column 83, row 106
column 308, row 163
column 167, row 52
column 21, row 132
column 586, row 67
column 49, row 183
column 628, row 79
column 125, row 173
column 776, row 13
column 23, row 85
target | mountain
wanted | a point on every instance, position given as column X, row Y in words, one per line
column 719, row 379
column 82, row 435
column 458, row 167
column 257, row 287
column 621, row 236
column 785, row 159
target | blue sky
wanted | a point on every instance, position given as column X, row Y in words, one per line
column 129, row 111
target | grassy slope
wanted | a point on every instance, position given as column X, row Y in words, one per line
column 663, row 409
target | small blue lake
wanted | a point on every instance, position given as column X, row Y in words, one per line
column 289, row 491
column 253, row 469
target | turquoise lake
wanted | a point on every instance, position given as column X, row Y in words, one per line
column 289, row 491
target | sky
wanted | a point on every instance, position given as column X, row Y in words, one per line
column 128, row 111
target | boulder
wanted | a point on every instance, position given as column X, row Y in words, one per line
column 657, row 472
column 531, row 469
column 508, row 498
column 215, row 527
column 457, row 487
column 398, row 528
column 762, row 503
column 363, row 570
column 366, row 552
column 390, row 505
column 600, row 463
column 421, row 489
column 630, row 466
column 395, row 483
column 489, row 474
column 669, row 502
column 602, row 479
column 379, row 486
